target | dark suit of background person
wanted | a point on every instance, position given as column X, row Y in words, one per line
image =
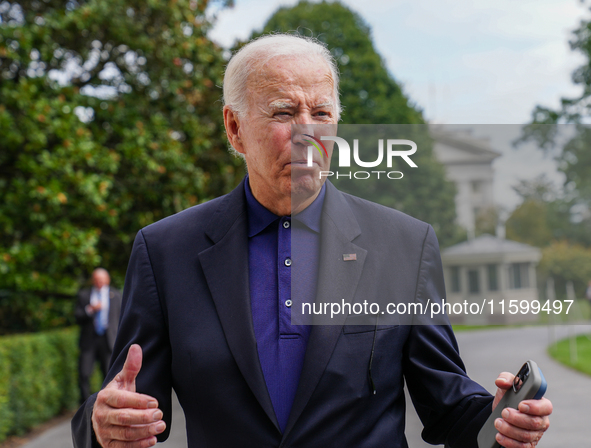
column 187, row 305
column 95, row 347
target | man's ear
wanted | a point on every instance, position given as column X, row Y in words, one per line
column 232, row 124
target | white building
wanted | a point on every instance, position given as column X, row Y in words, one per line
column 468, row 163
column 488, row 270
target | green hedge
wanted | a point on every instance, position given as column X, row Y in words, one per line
column 5, row 411
column 38, row 378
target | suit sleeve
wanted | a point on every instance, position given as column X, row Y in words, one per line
column 142, row 322
column 450, row 405
column 80, row 311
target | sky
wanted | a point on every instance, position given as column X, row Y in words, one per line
column 463, row 62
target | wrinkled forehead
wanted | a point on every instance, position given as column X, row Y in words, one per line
column 293, row 70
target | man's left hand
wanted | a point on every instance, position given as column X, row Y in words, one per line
column 523, row 427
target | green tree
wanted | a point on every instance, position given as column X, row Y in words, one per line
column 549, row 127
column 529, row 224
column 370, row 95
column 544, row 216
column 109, row 120
column 566, row 262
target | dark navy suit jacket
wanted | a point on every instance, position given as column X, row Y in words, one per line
column 186, row 302
column 86, row 322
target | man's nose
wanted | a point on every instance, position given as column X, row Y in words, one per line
column 300, row 133
column 304, row 118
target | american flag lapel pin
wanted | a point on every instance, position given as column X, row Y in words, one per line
column 349, row 257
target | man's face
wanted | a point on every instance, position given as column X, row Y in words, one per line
column 100, row 279
column 285, row 91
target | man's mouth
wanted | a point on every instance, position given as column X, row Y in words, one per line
column 301, row 165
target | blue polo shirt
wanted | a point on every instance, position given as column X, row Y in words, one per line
column 281, row 345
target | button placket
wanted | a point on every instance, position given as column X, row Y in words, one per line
column 284, row 262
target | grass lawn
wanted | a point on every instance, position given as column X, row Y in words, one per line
column 561, row 351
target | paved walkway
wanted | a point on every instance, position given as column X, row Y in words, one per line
column 486, row 353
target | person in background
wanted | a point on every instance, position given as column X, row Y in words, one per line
column 97, row 312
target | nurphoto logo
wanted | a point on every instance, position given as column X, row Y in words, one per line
column 344, row 150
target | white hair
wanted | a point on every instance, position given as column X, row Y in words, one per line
column 260, row 51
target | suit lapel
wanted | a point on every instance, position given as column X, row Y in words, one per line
column 225, row 266
column 337, row 281
column 114, row 309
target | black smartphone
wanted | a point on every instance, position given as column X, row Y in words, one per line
column 529, row 383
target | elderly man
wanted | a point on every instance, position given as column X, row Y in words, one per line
column 207, row 301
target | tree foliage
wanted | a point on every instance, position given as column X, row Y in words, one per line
column 529, row 224
column 549, row 127
column 566, row 262
column 544, row 220
column 545, row 215
column 109, row 120
column 370, row 95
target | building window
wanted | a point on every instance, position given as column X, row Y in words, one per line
column 493, row 280
column 519, row 275
column 473, row 281
column 455, row 279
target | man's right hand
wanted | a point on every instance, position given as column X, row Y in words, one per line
column 96, row 307
column 123, row 418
